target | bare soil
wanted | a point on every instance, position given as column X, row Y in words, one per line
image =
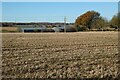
column 60, row 55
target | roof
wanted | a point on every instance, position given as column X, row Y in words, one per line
column 32, row 28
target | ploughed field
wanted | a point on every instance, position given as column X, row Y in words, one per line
column 60, row 55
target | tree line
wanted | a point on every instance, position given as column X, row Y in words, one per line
column 89, row 21
column 92, row 20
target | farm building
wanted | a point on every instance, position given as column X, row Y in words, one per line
column 67, row 28
column 37, row 29
column 31, row 29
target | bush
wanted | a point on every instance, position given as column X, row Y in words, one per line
column 83, row 29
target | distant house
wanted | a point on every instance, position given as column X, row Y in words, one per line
column 36, row 29
column 67, row 28
column 58, row 29
column 32, row 29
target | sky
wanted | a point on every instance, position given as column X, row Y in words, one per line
column 54, row 11
column 60, row 0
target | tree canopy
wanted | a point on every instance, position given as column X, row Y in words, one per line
column 87, row 19
column 100, row 23
column 114, row 21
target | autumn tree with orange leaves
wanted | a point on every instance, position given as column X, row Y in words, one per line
column 85, row 21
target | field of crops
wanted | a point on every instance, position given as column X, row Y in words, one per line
column 60, row 55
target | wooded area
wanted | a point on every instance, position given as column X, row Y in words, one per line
column 92, row 20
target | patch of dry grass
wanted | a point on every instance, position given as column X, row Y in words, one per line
column 9, row 29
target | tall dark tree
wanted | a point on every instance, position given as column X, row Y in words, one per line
column 100, row 23
column 115, row 21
